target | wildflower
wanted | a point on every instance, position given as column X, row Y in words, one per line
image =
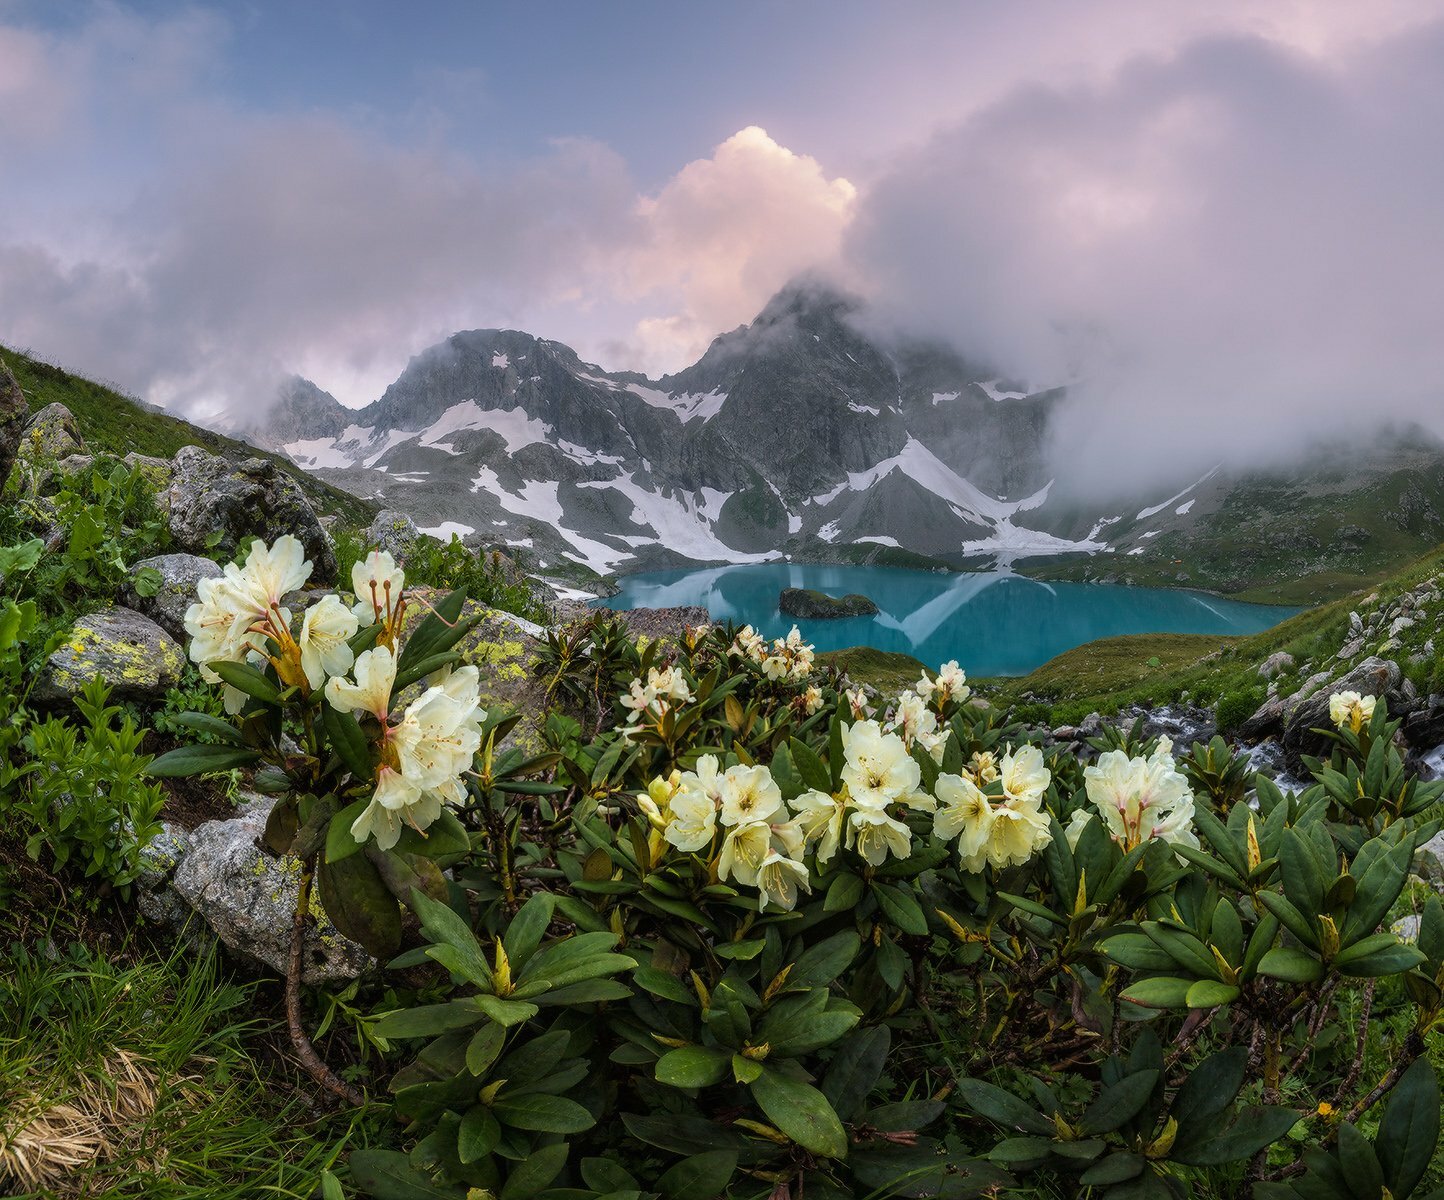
column 749, row 794
column 1141, row 798
column 1351, row 709
column 1003, row 834
column 950, row 683
column 694, row 805
column 1023, row 774
column 878, row 769
column 964, row 813
column 374, row 671
column 378, row 583
column 983, row 766
column 778, row 879
column 914, row 722
column 812, row 699
column 820, row 818
column 744, row 849
column 873, row 834
column 857, row 704
column 325, row 632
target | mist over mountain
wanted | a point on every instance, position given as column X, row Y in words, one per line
column 805, row 435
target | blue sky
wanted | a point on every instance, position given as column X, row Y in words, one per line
column 203, row 197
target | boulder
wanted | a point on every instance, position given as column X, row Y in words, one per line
column 133, row 654
column 1373, row 677
column 808, row 603
column 394, row 532
column 179, row 575
column 13, row 416
column 1279, row 663
column 254, row 498
column 52, row 434
column 654, row 623
column 248, row 897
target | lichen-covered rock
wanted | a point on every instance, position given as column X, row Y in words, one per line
column 394, row 532
column 1275, row 664
column 810, row 604
column 248, row 897
column 254, row 498
column 51, row 434
column 179, row 575
column 159, row 859
column 13, row 415
column 134, row 655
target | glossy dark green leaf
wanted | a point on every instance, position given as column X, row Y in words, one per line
column 1003, row 1107
column 199, row 760
column 535, row 1173
column 360, row 905
column 478, row 1133
column 700, row 1177
column 801, row 1112
column 855, row 1069
column 693, row 1066
column 245, row 678
column 1118, row 1104
column 387, row 1175
column 544, row 1114
column 1409, row 1130
column 344, row 734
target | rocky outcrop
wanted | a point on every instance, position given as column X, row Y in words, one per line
column 395, row 533
column 1372, row 677
column 247, row 897
column 13, row 415
column 210, row 496
column 129, row 651
column 810, row 604
column 166, row 602
column 52, row 434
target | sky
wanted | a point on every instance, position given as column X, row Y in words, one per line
column 1213, row 212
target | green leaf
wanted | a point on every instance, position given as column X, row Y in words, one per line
column 1386, row 960
column 1409, row 1130
column 1210, row 993
column 1137, row 952
column 205, row 723
column 1290, row 965
column 820, row 964
column 544, row 1114
column 1003, row 1107
column 693, row 1066
column 900, row 909
column 331, row 1187
column 504, row 1012
column 843, row 893
column 484, row 1048
column 1255, row 1128
column 534, row 1174
column 1158, row 992
column 1360, row 1165
column 1116, row 1168
column 854, row 1070
column 477, row 1134
column 527, row 929
column 426, row 1020
column 700, row 1177
column 441, row 630
column 442, row 925
column 350, row 744
column 199, row 760
column 801, row 1112
column 1211, row 1086
column 813, row 770
column 1119, row 1104
column 245, row 678
column 339, row 841
column 359, row 904
column 387, row 1175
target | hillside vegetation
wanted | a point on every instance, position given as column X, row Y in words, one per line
column 113, row 423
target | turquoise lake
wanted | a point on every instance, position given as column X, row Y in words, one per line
column 993, row 623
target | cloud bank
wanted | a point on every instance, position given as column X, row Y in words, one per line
column 1225, row 249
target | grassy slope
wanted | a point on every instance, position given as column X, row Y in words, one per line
column 885, row 670
column 113, row 423
column 1113, row 673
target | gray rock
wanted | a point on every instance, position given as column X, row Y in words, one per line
column 159, row 859
column 179, row 573
column 254, row 498
column 1350, row 648
column 133, row 654
column 1267, row 720
column 1356, row 622
column 1372, row 677
column 52, row 434
column 13, row 415
column 1429, row 862
column 1406, row 928
column 248, row 898
column 394, row 532
column 1276, row 664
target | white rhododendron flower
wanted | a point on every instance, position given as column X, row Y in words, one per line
column 654, row 698
column 743, row 851
column 749, row 794
column 778, row 880
column 913, row 721
column 1352, row 710
column 378, row 583
column 693, row 822
column 1023, row 774
column 325, row 631
column 821, row 818
column 271, row 571
column 857, row 704
column 878, row 770
column 984, row 767
column 812, row 699
column 875, row 835
column 1001, row 832
column 950, row 683
column 373, row 673
column 1141, row 798
column 963, row 813
column 440, row 732
column 748, row 644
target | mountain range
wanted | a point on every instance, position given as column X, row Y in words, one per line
column 801, row 435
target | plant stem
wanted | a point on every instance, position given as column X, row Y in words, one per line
column 306, row 1052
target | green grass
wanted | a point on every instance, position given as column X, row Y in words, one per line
column 115, row 424
column 886, row 670
column 1114, row 673
column 155, row 1054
